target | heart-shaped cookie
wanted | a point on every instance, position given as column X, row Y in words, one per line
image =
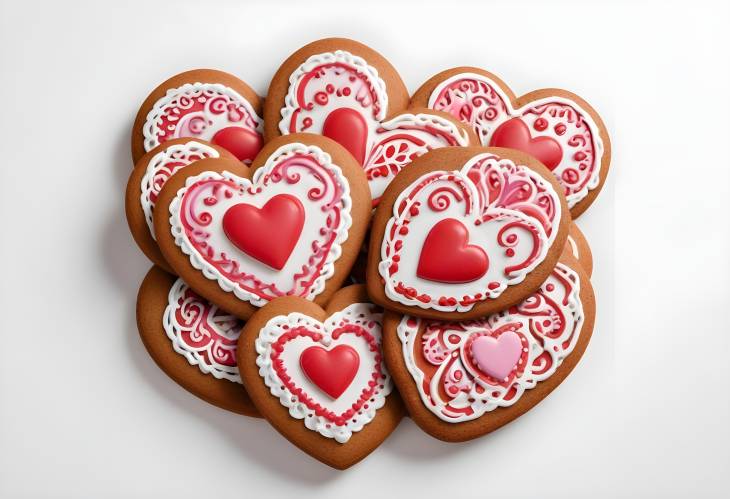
column 219, row 223
column 464, row 232
column 463, row 379
column 348, row 92
column 192, row 340
column 203, row 104
column 555, row 126
column 147, row 179
column 318, row 375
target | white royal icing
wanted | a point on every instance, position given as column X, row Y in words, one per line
column 359, row 314
column 549, row 323
column 162, row 166
column 498, row 107
column 332, row 192
column 202, row 333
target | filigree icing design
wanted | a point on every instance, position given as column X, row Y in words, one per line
column 162, row 166
column 280, row 345
column 205, row 335
column 480, row 102
column 510, row 211
column 304, row 171
column 440, row 358
column 339, row 80
column 198, row 110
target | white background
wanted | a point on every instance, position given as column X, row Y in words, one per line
column 84, row 412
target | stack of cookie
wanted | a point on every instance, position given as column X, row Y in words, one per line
column 342, row 254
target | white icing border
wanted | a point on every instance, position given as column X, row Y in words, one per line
column 151, row 126
column 489, row 294
column 338, row 56
column 271, row 332
column 173, row 330
column 281, row 154
column 598, row 146
column 147, row 183
column 407, row 336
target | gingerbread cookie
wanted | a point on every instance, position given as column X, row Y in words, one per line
column 465, row 232
column 463, row 379
column 290, row 225
column 556, row 126
column 203, row 104
column 318, row 375
column 346, row 91
column 193, row 341
column 579, row 248
column 146, row 181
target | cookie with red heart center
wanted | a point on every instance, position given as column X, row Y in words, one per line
column 147, row 179
column 202, row 104
column 555, row 126
column 193, row 341
column 348, row 92
column 463, row 379
column 464, row 232
column 290, row 225
column 318, row 376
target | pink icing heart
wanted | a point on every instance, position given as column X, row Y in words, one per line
column 497, row 356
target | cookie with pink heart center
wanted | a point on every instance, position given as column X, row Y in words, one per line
column 348, row 92
column 555, row 126
column 463, row 379
column 318, row 375
column 204, row 104
column 291, row 225
column 464, row 232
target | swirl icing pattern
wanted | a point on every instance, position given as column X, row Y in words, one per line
column 162, row 166
column 306, row 172
column 203, row 110
column 577, row 148
column 340, row 95
column 453, row 377
column 508, row 213
column 202, row 333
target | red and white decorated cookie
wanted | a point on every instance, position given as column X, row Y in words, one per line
column 464, row 232
column 318, row 375
column 556, row 126
column 147, row 179
column 193, row 341
column 290, row 225
column 348, row 92
column 463, row 379
column 202, row 104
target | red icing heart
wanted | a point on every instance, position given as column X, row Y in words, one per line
column 243, row 143
column 447, row 256
column 267, row 234
column 348, row 127
column 515, row 134
column 331, row 370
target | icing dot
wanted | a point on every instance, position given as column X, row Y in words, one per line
column 560, row 129
column 540, row 124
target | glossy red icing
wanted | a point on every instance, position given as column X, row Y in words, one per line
column 447, row 256
column 268, row 234
column 331, row 370
column 515, row 134
column 243, row 143
column 348, row 127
